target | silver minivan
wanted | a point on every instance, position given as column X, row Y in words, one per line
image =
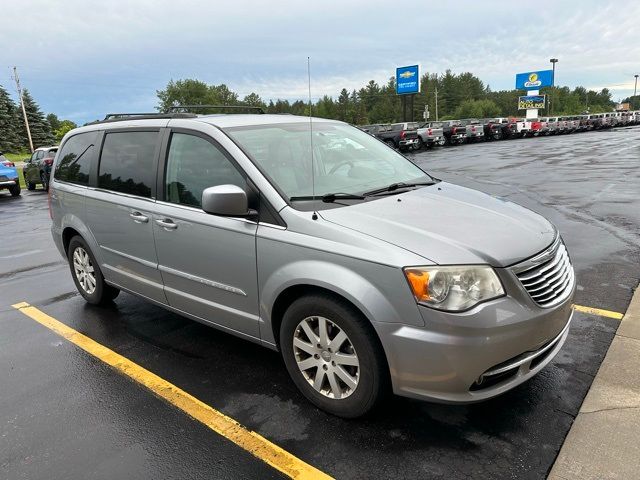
column 313, row 238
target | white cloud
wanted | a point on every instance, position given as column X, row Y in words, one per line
column 79, row 56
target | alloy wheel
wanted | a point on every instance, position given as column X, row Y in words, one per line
column 84, row 271
column 326, row 357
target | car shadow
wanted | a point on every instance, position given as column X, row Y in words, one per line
column 250, row 384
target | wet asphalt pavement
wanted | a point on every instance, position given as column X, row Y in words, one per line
column 65, row 415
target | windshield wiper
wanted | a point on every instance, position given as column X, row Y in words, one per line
column 330, row 197
column 396, row 186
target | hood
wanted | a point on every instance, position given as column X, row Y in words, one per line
column 448, row 224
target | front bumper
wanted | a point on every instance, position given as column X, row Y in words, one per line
column 408, row 143
column 475, row 355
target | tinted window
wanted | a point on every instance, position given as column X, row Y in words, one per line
column 127, row 162
column 51, row 153
column 194, row 164
column 76, row 157
column 39, row 154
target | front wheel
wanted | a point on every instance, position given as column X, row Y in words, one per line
column 333, row 355
column 87, row 275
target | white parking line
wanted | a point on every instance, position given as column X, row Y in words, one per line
column 623, row 149
column 23, row 254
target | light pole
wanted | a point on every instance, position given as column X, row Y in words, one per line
column 553, row 78
column 635, row 88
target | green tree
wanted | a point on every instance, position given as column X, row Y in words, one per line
column 9, row 139
column 477, row 109
column 184, row 92
column 254, row 100
column 344, row 107
column 63, row 128
column 41, row 133
column 54, row 121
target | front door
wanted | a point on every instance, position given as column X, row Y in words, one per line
column 208, row 263
column 32, row 168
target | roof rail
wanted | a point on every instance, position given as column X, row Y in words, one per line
column 187, row 108
column 121, row 117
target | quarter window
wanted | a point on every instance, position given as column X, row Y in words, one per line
column 194, row 164
column 127, row 162
column 76, row 157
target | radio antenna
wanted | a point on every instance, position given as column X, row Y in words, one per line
column 313, row 174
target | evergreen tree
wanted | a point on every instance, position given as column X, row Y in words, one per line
column 41, row 133
column 54, row 122
column 9, row 141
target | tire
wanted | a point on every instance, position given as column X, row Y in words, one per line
column 390, row 143
column 31, row 186
column 419, row 145
column 370, row 374
column 101, row 293
column 15, row 190
column 45, row 181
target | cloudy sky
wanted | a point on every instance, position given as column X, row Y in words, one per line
column 81, row 59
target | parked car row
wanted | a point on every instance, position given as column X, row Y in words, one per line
column 414, row 136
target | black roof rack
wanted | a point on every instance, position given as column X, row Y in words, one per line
column 120, row 117
column 236, row 108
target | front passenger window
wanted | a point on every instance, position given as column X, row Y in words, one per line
column 194, row 164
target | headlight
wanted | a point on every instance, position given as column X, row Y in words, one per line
column 453, row 288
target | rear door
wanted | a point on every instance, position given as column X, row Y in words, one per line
column 120, row 208
column 208, row 262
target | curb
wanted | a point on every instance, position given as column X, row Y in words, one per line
column 603, row 440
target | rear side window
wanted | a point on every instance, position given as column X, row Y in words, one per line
column 76, row 157
column 194, row 164
column 127, row 163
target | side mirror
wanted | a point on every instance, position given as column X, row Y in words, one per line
column 226, row 201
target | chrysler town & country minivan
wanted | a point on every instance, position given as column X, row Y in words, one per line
column 315, row 239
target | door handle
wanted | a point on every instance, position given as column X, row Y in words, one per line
column 138, row 217
column 167, row 224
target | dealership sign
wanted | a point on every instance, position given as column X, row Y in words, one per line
column 531, row 101
column 408, row 80
column 534, row 80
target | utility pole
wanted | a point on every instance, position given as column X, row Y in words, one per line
column 553, row 79
column 24, row 111
column 635, row 88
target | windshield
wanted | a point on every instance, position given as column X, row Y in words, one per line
column 346, row 160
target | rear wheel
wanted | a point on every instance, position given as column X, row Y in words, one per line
column 333, row 356
column 390, row 143
column 419, row 144
column 15, row 190
column 45, row 181
column 87, row 275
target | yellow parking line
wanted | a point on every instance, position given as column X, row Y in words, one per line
column 217, row 421
column 598, row 311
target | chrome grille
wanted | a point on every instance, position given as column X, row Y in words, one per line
column 548, row 277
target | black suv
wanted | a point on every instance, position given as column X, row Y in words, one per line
column 37, row 168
